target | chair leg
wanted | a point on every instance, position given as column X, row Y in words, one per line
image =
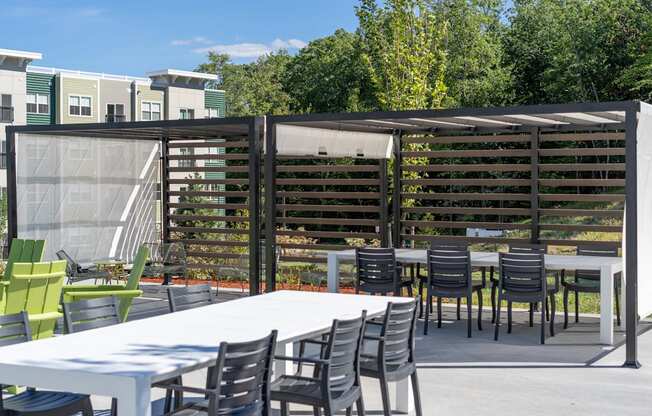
column 531, row 315
column 178, row 396
column 384, row 393
column 509, row 317
column 438, row 312
column 497, row 322
column 577, row 306
column 479, row 309
column 359, row 407
column 410, row 292
column 565, row 307
column 543, row 322
column 553, row 309
column 493, row 301
column 284, row 409
column 459, row 308
column 417, row 394
column 421, row 299
column 547, row 310
column 469, row 323
column 617, row 292
column 427, row 320
column 316, row 411
column 87, row 407
column 349, row 411
column 114, row 407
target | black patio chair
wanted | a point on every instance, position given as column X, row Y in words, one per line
column 588, row 281
column 240, row 383
column 450, row 276
column 377, row 271
column 189, row 297
column 76, row 273
column 523, row 279
column 394, row 358
column 15, row 329
column 167, row 260
column 99, row 313
column 335, row 383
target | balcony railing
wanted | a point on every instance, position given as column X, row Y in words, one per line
column 115, row 118
column 6, row 114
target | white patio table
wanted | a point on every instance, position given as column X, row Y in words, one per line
column 123, row 360
column 608, row 267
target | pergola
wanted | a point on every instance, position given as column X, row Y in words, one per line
column 488, row 175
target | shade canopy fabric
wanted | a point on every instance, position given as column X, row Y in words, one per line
column 644, row 208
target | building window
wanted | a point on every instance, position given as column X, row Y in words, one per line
column 150, row 111
column 186, row 114
column 38, row 103
column 80, row 105
column 115, row 113
column 3, row 155
column 213, row 112
column 6, row 109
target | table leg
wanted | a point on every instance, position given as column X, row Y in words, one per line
column 606, row 305
column 404, row 396
column 282, row 367
column 333, row 273
column 135, row 401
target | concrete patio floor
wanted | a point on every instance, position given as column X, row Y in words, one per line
column 571, row 374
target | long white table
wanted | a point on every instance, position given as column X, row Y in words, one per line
column 123, row 360
column 607, row 266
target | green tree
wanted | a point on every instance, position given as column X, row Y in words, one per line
column 329, row 75
column 402, row 45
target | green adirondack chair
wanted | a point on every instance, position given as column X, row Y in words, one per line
column 23, row 251
column 36, row 288
column 126, row 293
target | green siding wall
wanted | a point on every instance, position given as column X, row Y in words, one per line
column 42, row 84
column 215, row 99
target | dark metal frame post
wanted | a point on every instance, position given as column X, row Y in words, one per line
column 254, row 206
column 270, row 206
column 396, row 192
column 631, row 240
column 165, row 198
column 534, row 185
column 384, row 203
column 12, row 203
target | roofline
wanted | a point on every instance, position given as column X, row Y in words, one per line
column 180, row 73
column 21, row 54
column 83, row 74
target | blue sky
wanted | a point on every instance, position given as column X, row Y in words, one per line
column 133, row 37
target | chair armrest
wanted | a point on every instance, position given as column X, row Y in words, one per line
column 79, row 295
column 48, row 316
column 372, row 322
column 88, row 288
column 374, row 337
column 313, row 341
column 186, row 389
column 301, row 359
column 4, row 282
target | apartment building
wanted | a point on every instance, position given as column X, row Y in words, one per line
column 38, row 95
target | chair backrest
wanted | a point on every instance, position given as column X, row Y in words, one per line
column 36, row 288
column 343, row 355
column 242, row 377
column 449, row 268
column 134, row 280
column 72, row 267
column 397, row 332
column 14, row 329
column 523, row 272
column 90, row 314
column 594, row 251
column 376, row 269
column 24, row 251
column 449, row 245
column 527, row 248
column 182, row 298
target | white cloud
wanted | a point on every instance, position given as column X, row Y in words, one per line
column 197, row 40
column 252, row 50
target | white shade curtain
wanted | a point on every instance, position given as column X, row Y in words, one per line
column 644, row 208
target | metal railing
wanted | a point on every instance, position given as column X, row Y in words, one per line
column 6, row 114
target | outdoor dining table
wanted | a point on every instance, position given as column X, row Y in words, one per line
column 122, row 361
column 607, row 266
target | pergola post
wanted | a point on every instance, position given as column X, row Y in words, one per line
column 384, row 203
column 165, row 198
column 396, row 192
column 254, row 205
column 631, row 240
column 270, row 206
column 12, row 203
column 534, row 185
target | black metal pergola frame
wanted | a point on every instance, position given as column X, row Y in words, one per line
column 622, row 116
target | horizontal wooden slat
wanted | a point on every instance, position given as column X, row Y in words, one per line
column 229, row 169
column 582, row 227
column 467, row 182
column 207, row 205
column 208, row 218
column 212, row 156
column 453, row 154
column 304, row 259
column 468, row 168
column 293, row 246
column 327, row 208
column 581, row 213
column 587, row 243
column 470, row 196
column 211, row 255
column 328, row 195
column 327, row 234
column 209, row 181
column 221, row 243
column 468, row 139
column 494, row 240
column 560, row 183
column 328, row 168
column 327, row 221
column 576, row 137
column 575, row 151
column 468, row 211
column 582, row 197
column 210, row 144
column 581, row 167
column 466, row 224
column 208, row 194
column 321, row 182
column 208, row 230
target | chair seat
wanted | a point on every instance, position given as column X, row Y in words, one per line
column 585, row 285
column 393, row 372
column 200, row 408
column 455, row 292
column 43, row 402
column 294, row 389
